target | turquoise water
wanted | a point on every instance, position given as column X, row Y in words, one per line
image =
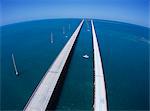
column 126, row 64
column 34, row 53
column 77, row 93
column 124, row 49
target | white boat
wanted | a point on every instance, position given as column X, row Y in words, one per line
column 85, row 56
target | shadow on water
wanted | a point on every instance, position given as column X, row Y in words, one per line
column 57, row 91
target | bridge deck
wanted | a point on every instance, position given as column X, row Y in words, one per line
column 41, row 96
column 100, row 102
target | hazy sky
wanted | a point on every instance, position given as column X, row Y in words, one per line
column 131, row 11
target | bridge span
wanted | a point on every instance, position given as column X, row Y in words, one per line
column 100, row 101
column 43, row 93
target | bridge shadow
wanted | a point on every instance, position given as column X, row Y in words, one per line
column 57, row 91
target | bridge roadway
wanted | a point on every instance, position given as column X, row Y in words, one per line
column 100, row 101
column 43, row 93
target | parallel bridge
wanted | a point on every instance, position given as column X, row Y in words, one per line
column 43, row 93
column 100, row 101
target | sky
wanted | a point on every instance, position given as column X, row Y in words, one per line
column 130, row 11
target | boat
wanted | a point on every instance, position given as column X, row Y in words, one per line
column 51, row 37
column 85, row 56
column 14, row 63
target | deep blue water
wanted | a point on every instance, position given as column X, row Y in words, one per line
column 126, row 64
column 124, row 49
column 77, row 93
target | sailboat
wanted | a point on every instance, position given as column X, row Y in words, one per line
column 14, row 63
column 52, row 38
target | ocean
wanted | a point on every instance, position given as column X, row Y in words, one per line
column 124, row 50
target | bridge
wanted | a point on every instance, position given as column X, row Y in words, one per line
column 100, row 102
column 43, row 93
column 46, row 88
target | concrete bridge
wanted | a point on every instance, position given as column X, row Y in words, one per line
column 100, row 101
column 42, row 94
column 44, row 91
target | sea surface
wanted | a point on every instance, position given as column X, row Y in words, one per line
column 124, row 50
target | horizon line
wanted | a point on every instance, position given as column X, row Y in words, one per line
column 30, row 20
